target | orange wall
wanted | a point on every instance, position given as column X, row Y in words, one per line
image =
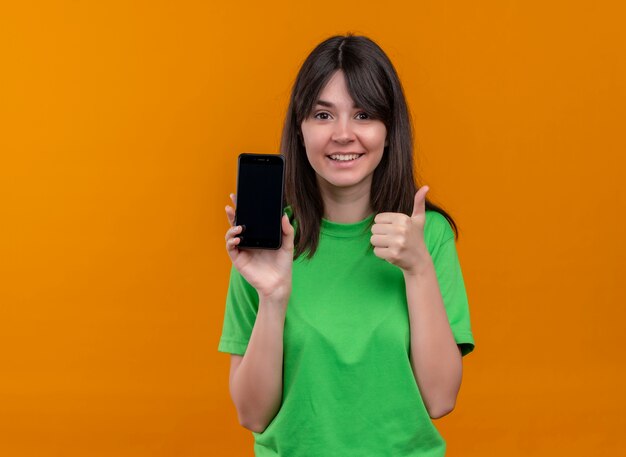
column 121, row 123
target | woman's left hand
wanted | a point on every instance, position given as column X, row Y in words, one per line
column 399, row 239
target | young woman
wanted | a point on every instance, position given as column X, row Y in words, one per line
column 348, row 340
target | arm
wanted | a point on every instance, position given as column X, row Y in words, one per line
column 256, row 379
column 435, row 357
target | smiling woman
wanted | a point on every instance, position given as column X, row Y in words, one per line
column 344, row 144
column 348, row 339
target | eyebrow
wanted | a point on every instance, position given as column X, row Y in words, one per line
column 329, row 104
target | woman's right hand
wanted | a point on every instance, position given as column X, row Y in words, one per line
column 267, row 270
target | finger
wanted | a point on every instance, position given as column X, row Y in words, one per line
column 233, row 232
column 382, row 229
column 233, row 198
column 380, row 241
column 230, row 214
column 382, row 253
column 419, row 203
column 232, row 243
column 288, row 233
column 388, row 218
column 388, row 254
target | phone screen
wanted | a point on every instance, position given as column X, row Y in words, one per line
column 260, row 182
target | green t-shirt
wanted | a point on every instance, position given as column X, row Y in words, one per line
column 348, row 386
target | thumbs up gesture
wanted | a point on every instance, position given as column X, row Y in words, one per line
column 399, row 239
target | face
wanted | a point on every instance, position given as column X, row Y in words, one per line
column 343, row 144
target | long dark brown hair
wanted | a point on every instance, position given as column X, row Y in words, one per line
column 375, row 87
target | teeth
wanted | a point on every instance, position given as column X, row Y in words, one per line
column 344, row 157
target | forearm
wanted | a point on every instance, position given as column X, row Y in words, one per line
column 257, row 385
column 435, row 356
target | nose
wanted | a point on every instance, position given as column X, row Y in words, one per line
column 343, row 132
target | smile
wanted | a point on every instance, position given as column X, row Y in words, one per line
column 344, row 157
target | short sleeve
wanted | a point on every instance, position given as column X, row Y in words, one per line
column 242, row 304
column 452, row 286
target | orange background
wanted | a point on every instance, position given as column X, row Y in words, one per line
column 121, row 123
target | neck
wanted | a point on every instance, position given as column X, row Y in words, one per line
column 346, row 205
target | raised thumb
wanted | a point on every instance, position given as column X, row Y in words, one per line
column 419, row 203
column 288, row 232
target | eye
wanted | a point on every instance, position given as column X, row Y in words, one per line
column 363, row 116
column 317, row 116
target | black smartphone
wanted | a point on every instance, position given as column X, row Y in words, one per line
column 260, row 184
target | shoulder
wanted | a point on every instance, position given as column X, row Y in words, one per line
column 437, row 229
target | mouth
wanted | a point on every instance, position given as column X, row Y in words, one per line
column 344, row 157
